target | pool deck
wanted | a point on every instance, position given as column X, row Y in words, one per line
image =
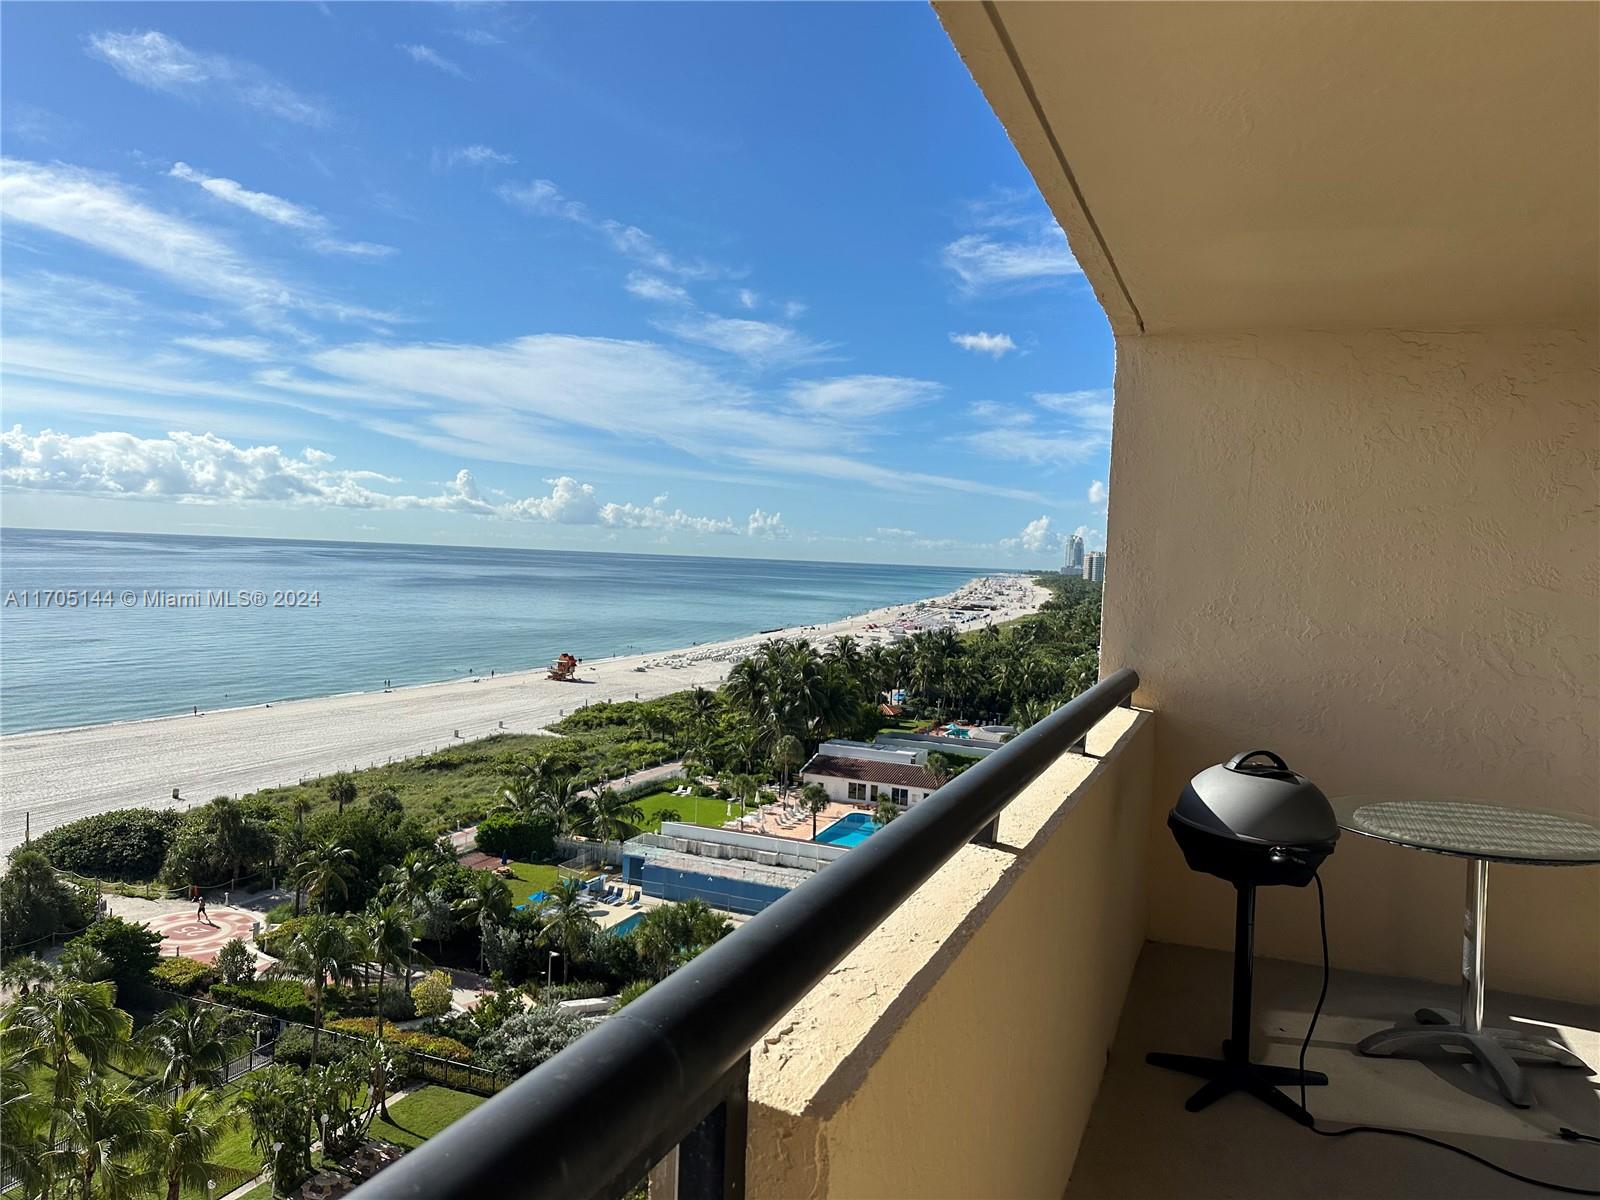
column 802, row 831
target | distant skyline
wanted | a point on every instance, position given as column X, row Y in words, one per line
column 743, row 280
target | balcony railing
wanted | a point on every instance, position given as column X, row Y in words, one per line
column 672, row 1069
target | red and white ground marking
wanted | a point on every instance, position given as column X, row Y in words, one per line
column 183, row 933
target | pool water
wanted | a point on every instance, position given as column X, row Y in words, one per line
column 849, row 830
column 626, row 925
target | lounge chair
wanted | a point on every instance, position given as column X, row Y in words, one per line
column 637, row 897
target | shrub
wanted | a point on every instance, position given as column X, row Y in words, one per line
column 35, row 902
column 132, row 949
column 460, row 1026
column 631, row 993
column 502, row 833
column 235, row 963
column 528, row 1039
column 294, row 1046
column 284, row 998
column 432, row 995
column 397, row 1006
column 276, row 940
column 279, row 913
column 126, row 843
column 187, row 976
column 406, row 1039
column 588, row 990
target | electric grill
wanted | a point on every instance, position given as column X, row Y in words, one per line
column 1254, row 824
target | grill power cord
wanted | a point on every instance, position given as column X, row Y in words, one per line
column 1571, row 1135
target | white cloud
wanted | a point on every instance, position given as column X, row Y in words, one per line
column 206, row 469
column 280, row 212
column 544, row 199
column 995, row 345
column 748, row 299
column 152, row 59
column 1036, row 538
column 1017, row 247
column 569, row 503
column 97, row 211
column 658, row 501
column 760, row 343
column 1089, row 409
column 860, row 396
column 652, row 287
column 471, row 156
column 793, row 310
column 1097, row 492
column 249, row 349
column 634, row 516
column 431, row 57
column 765, row 525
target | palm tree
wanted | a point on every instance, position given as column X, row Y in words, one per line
column 816, row 800
column 788, row 754
column 613, row 818
column 410, row 883
column 319, row 952
column 487, row 899
column 185, row 1132
column 188, row 1044
column 325, row 872
column 566, row 921
column 388, row 929
column 342, row 790
column 293, row 849
column 52, row 1024
column 105, row 1143
column 24, row 1124
column 300, row 804
column 886, row 811
column 82, row 962
column 230, row 824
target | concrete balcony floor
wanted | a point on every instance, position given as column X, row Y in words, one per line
column 1141, row 1143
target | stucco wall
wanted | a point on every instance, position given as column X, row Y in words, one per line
column 1378, row 554
column 957, row 1052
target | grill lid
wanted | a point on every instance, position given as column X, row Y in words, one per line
column 1264, row 803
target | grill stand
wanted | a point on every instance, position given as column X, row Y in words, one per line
column 1234, row 1072
column 1496, row 1049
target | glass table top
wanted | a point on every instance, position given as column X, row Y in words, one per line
column 1473, row 828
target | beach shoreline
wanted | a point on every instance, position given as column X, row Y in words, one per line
column 232, row 751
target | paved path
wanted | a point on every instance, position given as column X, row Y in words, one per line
column 184, row 933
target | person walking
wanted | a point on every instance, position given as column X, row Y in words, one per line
column 200, row 913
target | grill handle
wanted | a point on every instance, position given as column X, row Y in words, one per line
column 1238, row 760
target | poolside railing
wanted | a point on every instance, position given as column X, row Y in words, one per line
column 672, row 1068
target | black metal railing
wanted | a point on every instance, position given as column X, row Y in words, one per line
column 670, row 1071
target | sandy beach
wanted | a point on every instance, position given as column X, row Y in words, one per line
column 53, row 776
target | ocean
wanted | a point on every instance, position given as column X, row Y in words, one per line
column 108, row 626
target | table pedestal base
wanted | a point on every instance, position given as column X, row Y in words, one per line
column 1497, row 1049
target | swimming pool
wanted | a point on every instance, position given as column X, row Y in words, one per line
column 626, row 924
column 849, row 830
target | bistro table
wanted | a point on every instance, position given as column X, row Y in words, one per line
column 1480, row 833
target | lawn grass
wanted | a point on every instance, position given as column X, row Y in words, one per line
column 711, row 811
column 422, row 1114
column 527, row 878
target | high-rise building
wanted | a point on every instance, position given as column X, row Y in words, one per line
column 1074, row 555
column 1094, row 566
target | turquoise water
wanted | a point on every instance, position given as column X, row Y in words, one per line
column 849, row 830
column 410, row 614
column 627, row 924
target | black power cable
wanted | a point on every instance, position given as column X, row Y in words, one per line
column 1311, row 1123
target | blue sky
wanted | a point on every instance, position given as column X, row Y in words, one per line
column 761, row 280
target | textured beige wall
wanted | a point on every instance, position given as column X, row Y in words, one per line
column 957, row 1052
column 1378, row 554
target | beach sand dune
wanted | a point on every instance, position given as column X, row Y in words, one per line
column 54, row 776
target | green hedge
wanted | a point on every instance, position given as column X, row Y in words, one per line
column 407, row 1039
column 187, row 976
column 294, row 1047
column 285, row 998
column 125, row 843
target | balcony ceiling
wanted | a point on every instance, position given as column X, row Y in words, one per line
column 1229, row 167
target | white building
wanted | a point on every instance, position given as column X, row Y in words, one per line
column 867, row 780
column 1074, row 555
column 1094, row 566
